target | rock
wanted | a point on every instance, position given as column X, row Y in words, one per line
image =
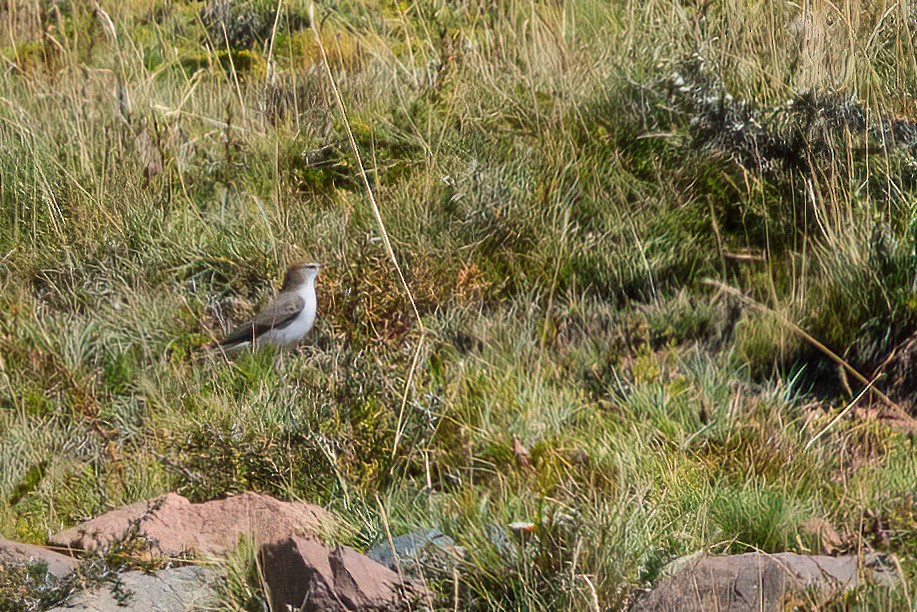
column 498, row 536
column 415, row 550
column 171, row 525
column 17, row 553
column 754, row 582
column 824, row 533
column 303, row 573
column 681, row 563
column 881, row 570
column 523, row 459
column 170, row 590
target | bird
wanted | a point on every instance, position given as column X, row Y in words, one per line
column 286, row 319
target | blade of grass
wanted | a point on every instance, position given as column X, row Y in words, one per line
column 339, row 101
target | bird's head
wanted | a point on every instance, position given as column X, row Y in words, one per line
column 299, row 274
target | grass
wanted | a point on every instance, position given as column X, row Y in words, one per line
column 557, row 180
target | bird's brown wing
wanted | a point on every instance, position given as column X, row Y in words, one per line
column 276, row 315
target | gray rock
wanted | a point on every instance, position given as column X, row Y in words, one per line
column 17, row 553
column 170, row 590
column 881, row 570
column 755, row 582
column 416, row 549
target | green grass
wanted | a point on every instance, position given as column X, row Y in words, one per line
column 556, row 201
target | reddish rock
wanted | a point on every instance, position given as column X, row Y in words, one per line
column 755, row 582
column 361, row 583
column 17, row 553
column 171, row 525
column 302, row 573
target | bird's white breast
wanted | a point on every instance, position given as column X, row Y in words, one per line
column 294, row 332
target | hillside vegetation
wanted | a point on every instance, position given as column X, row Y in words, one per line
column 650, row 251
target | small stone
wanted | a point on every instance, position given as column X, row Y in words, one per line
column 523, row 459
column 881, row 570
column 828, row 538
column 414, row 550
column 673, row 567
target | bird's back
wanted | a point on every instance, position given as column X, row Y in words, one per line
column 284, row 311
